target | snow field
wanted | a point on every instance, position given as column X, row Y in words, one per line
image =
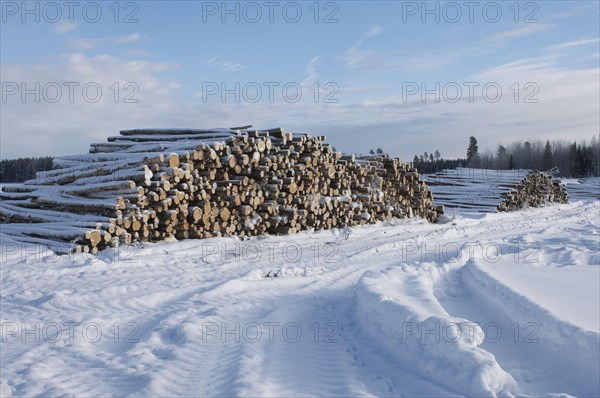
column 494, row 304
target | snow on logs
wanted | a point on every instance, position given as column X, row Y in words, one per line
column 489, row 191
column 155, row 184
column 535, row 190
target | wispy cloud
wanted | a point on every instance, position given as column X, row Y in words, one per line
column 224, row 65
column 374, row 31
column 88, row 44
column 425, row 61
column 355, row 56
column 63, row 27
column 518, row 67
column 574, row 43
column 575, row 11
column 311, row 72
column 521, row 31
column 414, row 62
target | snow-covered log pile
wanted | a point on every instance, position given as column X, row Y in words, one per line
column 154, row 184
column 583, row 188
column 535, row 190
column 489, row 191
column 473, row 190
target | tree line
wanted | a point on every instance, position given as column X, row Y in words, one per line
column 433, row 162
column 430, row 162
column 571, row 158
column 22, row 169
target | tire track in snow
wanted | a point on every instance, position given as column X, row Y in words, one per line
column 281, row 359
column 171, row 296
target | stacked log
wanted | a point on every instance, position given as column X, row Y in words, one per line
column 535, row 190
column 472, row 190
column 152, row 185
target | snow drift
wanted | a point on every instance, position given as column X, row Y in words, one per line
column 397, row 307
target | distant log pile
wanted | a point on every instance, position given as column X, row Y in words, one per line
column 472, row 190
column 152, row 185
column 535, row 190
column 490, row 191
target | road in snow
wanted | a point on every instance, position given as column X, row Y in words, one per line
column 494, row 304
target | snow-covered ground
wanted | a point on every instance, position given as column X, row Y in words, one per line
column 481, row 305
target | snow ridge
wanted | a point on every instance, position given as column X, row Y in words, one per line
column 442, row 348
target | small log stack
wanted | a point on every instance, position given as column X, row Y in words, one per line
column 535, row 190
column 472, row 190
column 156, row 184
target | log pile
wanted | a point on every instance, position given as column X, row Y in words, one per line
column 535, row 190
column 472, row 190
column 156, row 184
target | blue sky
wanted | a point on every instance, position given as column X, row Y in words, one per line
column 368, row 61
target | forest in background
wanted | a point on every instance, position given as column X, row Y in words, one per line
column 571, row 158
column 23, row 169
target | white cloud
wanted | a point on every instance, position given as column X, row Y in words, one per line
column 374, row 31
column 226, row 66
column 568, row 100
column 575, row 43
column 518, row 67
column 65, row 27
column 425, row 61
column 575, row 11
column 311, row 72
column 524, row 30
column 355, row 56
column 63, row 127
column 88, row 44
column 413, row 62
column 567, row 108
